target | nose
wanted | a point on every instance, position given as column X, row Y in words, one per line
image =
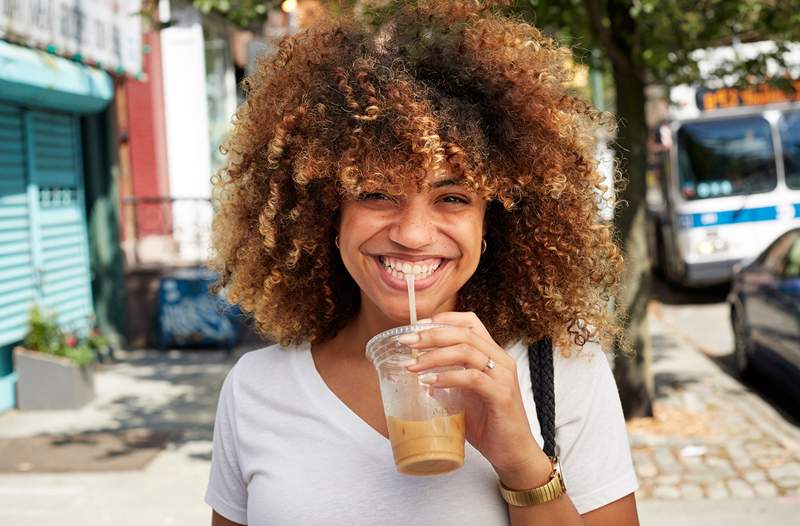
column 413, row 227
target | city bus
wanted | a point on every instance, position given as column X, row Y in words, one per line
column 724, row 180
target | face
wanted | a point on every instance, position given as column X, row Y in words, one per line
column 435, row 234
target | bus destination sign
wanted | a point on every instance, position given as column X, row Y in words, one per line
column 715, row 99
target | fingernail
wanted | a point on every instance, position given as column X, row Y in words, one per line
column 407, row 363
column 425, row 320
column 412, row 337
column 428, row 378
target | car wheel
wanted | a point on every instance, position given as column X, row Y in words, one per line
column 743, row 345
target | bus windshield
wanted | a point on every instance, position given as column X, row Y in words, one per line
column 725, row 157
column 790, row 140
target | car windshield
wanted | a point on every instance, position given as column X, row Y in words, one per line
column 790, row 140
column 725, row 157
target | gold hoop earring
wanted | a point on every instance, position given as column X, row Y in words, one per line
column 336, row 241
column 483, row 245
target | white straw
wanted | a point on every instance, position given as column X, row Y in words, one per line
column 412, row 300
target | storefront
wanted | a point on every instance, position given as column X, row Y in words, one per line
column 44, row 241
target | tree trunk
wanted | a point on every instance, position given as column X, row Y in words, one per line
column 633, row 372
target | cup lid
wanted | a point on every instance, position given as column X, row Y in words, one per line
column 397, row 331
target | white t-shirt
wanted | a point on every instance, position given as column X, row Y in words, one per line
column 288, row 451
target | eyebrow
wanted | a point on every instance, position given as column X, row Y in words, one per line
column 448, row 182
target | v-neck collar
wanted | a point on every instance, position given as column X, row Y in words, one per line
column 336, row 410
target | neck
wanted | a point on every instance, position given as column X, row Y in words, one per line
column 351, row 341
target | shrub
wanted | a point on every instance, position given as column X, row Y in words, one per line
column 44, row 335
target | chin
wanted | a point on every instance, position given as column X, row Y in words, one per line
column 399, row 314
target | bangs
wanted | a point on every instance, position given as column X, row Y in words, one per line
column 384, row 157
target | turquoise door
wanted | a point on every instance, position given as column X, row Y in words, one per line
column 44, row 255
column 17, row 290
column 60, row 239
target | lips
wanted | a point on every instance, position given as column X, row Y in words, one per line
column 425, row 271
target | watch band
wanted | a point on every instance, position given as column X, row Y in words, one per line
column 551, row 490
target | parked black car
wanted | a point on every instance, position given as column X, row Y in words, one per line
column 765, row 312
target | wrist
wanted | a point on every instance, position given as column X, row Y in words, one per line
column 534, row 471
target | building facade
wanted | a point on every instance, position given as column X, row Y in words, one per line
column 58, row 62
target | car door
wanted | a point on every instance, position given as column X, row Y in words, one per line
column 787, row 295
column 761, row 296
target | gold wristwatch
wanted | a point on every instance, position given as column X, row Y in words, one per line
column 553, row 489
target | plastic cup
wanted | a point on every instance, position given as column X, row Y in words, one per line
column 426, row 424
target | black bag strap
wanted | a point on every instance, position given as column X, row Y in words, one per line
column 540, row 362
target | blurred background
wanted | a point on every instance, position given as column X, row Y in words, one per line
column 113, row 350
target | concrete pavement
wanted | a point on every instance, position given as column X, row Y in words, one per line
column 174, row 392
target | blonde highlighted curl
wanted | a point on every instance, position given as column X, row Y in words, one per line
column 342, row 109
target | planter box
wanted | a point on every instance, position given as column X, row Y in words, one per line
column 51, row 382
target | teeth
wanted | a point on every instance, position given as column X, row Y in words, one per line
column 399, row 269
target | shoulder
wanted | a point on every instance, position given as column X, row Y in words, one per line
column 588, row 361
column 585, row 362
column 258, row 366
column 265, row 355
column 584, row 383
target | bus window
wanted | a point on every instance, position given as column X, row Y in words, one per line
column 725, row 157
column 790, row 139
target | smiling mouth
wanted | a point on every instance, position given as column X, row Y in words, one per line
column 398, row 268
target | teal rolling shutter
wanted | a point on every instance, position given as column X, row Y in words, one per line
column 44, row 256
column 17, row 286
column 62, row 255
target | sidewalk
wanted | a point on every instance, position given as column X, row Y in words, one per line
column 714, row 454
column 175, row 392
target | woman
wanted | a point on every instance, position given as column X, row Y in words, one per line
column 444, row 144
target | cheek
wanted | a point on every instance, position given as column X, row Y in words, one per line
column 470, row 236
column 355, row 229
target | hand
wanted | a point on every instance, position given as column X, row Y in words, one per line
column 496, row 422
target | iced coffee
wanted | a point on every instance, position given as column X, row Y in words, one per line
column 426, row 424
column 427, row 447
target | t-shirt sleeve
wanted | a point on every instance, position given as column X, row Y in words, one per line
column 590, row 431
column 227, row 490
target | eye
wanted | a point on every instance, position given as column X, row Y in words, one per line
column 374, row 196
column 455, row 199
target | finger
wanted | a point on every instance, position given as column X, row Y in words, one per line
column 463, row 319
column 454, row 355
column 480, row 383
column 455, row 335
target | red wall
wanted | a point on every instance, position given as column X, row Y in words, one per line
column 148, row 142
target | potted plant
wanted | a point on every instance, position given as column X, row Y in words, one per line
column 55, row 369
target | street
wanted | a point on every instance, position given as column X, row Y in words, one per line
column 716, row 452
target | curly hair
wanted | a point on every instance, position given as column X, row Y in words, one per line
column 343, row 109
